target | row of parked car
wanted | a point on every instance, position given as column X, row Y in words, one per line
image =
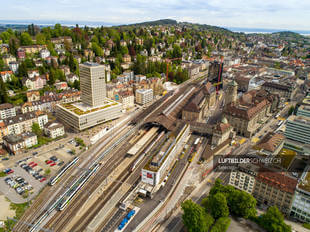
column 18, row 183
column 53, row 160
column 35, row 173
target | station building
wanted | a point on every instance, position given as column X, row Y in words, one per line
column 155, row 170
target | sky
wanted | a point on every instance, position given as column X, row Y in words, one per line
column 271, row 14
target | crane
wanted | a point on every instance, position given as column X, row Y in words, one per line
column 219, row 76
column 169, row 61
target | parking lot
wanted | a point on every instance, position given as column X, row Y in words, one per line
column 28, row 175
column 29, row 184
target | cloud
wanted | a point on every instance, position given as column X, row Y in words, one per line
column 286, row 14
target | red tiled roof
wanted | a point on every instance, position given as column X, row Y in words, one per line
column 277, row 180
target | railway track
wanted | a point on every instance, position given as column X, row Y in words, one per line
column 36, row 209
column 62, row 218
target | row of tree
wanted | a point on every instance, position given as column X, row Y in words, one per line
column 223, row 201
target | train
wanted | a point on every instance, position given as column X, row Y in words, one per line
column 83, row 180
column 126, row 219
column 62, row 172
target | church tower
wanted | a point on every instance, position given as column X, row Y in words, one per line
column 231, row 93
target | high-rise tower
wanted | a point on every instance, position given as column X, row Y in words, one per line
column 92, row 82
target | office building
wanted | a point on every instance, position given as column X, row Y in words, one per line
column 92, row 82
column 301, row 202
column 297, row 134
column 303, row 110
column 144, row 96
column 94, row 107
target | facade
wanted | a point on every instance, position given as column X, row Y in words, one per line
column 284, row 90
column 44, row 53
column 303, row 111
column 54, row 129
column 144, row 96
column 22, row 123
column 92, row 82
column 155, row 170
column 194, row 110
column 222, row 132
column 16, row 143
column 301, row 202
column 275, row 188
column 297, row 134
column 249, row 113
column 127, row 99
column 231, row 93
column 7, row 110
column 6, row 76
column 80, row 116
column 243, row 178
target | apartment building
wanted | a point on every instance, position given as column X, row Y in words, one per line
column 243, row 178
column 7, row 110
column 16, row 143
column 275, row 188
column 54, row 129
column 144, row 96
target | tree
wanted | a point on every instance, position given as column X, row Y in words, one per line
column 291, row 110
column 242, row 204
column 273, row 221
column 40, row 39
column 36, row 129
column 216, row 205
column 25, row 39
column 76, row 84
column 194, row 217
column 221, row 225
column 3, row 92
column 97, row 49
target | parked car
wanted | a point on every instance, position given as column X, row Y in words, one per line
column 48, row 161
column 61, row 163
column 33, row 165
column 53, row 158
column 11, row 171
column 52, row 164
column 43, row 179
column 35, row 153
column 23, row 165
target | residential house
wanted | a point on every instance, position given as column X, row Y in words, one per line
column 54, row 129
column 71, row 78
column 13, row 66
column 44, row 53
column 21, row 53
column 7, row 58
column 6, row 75
column 33, row 96
column 61, row 85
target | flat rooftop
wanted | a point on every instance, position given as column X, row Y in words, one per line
column 91, row 64
column 80, row 108
column 300, row 119
column 305, row 184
